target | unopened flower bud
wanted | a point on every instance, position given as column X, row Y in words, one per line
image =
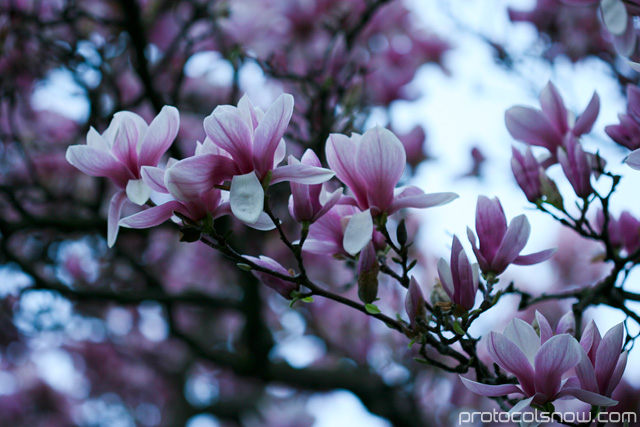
column 368, row 269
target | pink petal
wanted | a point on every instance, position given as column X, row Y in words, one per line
column 414, row 197
column 491, row 225
column 617, row 373
column 553, row 106
column 153, row 216
column 586, row 373
column 444, row 273
column 524, row 336
column 587, row 397
column 633, row 160
column 332, row 200
column 154, row 177
column 115, row 208
column 380, row 162
column 535, row 258
column 130, row 131
column 97, row 162
column 608, row 354
column 532, row 126
column 340, row 151
column 270, row 131
column 159, row 136
column 544, row 326
column 513, row 242
column 490, row 390
column 229, row 130
column 188, row 179
column 510, row 358
column 585, row 122
column 94, row 139
column 590, row 340
column 555, row 357
column 301, row 173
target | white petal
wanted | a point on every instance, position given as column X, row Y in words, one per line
column 138, row 191
column 246, row 197
column 358, row 232
column 614, row 15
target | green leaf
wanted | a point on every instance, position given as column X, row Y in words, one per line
column 372, row 309
column 423, row 361
column 458, row 329
column 243, row 266
column 308, row 300
column 411, row 343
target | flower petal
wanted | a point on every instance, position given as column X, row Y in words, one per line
column 444, row 272
column 270, row 131
column 228, row 129
column 587, row 397
column 301, row 173
column 535, row 258
column 555, row 357
column 614, row 15
column 153, row 216
column 586, row 373
column 130, row 129
column 633, row 160
column 97, row 162
column 192, row 177
column 339, row 151
column 115, row 208
column 138, row 191
column 608, row 354
column 510, row 358
column 246, row 197
column 524, row 336
column 358, row 232
column 513, row 242
column 532, row 126
column 159, row 136
column 154, row 177
column 545, row 328
column 585, row 122
column 380, row 162
column 553, row 106
column 489, row 390
column 414, row 197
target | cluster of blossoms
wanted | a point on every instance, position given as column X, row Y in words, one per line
column 541, row 362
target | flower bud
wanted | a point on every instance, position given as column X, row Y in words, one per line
column 368, row 269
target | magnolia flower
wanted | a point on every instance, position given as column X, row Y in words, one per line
column 549, row 126
column 460, row 280
column 327, row 234
column 538, row 363
column 414, row 302
column 576, row 166
column 195, row 203
column 310, row 202
column 127, row 145
column 253, row 141
column 371, row 166
column 532, row 178
column 602, row 364
column 627, row 132
column 283, row 287
column 501, row 245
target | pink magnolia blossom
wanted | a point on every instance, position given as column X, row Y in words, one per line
column 310, row 202
column 460, row 279
column 602, row 363
column 576, row 165
column 196, row 203
column 532, row 178
column 414, row 303
column 127, row 145
column 283, row 287
column 549, row 127
column 252, row 147
column 627, row 132
column 371, row 166
column 501, row 245
column 538, row 362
